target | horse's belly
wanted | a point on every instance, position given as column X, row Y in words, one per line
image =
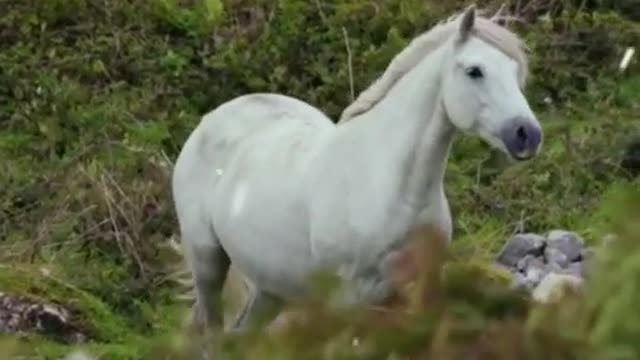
column 267, row 248
column 261, row 220
column 280, row 273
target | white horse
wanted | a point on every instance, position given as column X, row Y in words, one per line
column 269, row 183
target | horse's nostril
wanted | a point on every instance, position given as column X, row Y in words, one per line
column 522, row 133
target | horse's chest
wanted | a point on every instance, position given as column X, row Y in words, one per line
column 384, row 254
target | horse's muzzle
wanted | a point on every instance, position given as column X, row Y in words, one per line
column 522, row 138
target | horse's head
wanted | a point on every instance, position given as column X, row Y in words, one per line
column 482, row 87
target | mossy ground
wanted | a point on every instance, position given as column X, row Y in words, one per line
column 97, row 97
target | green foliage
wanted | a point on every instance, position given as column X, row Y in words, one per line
column 599, row 38
column 97, row 97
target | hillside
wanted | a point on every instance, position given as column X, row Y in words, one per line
column 98, row 97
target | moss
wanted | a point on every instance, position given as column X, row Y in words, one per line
column 39, row 285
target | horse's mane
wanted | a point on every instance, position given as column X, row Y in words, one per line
column 486, row 29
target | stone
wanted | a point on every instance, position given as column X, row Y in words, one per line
column 524, row 263
column 576, row 269
column 19, row 314
column 553, row 286
column 520, row 246
column 519, row 281
column 554, row 255
column 568, row 242
column 535, row 274
column 533, row 269
column 554, row 267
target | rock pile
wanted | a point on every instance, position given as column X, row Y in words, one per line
column 19, row 314
column 537, row 261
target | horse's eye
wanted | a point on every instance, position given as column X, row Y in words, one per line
column 474, row 72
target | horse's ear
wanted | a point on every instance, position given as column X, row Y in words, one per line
column 499, row 16
column 466, row 25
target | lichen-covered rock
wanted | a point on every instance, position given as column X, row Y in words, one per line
column 576, row 269
column 528, row 261
column 19, row 314
column 553, row 267
column 553, row 286
column 568, row 242
column 519, row 281
column 553, row 255
column 520, row 246
column 534, row 274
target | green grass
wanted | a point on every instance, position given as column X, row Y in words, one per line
column 96, row 99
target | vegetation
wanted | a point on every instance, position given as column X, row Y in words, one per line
column 97, row 97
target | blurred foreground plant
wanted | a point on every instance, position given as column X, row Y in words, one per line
column 446, row 308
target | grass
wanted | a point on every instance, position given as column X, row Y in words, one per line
column 96, row 99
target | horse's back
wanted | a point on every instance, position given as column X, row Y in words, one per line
column 221, row 130
column 248, row 116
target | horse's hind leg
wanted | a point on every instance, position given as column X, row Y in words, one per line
column 209, row 267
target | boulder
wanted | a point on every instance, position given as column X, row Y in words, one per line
column 554, row 256
column 19, row 314
column 520, row 246
column 567, row 242
column 553, row 286
column 532, row 258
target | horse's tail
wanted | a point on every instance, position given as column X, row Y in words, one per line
column 238, row 286
column 180, row 273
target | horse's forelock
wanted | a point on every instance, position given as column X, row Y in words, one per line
column 506, row 41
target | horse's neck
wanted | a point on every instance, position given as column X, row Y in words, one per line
column 407, row 134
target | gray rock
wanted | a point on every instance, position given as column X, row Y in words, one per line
column 524, row 263
column 535, row 274
column 533, row 270
column 554, row 255
column 519, row 281
column 553, row 286
column 520, row 246
column 575, row 269
column 554, row 268
column 19, row 314
column 568, row 242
